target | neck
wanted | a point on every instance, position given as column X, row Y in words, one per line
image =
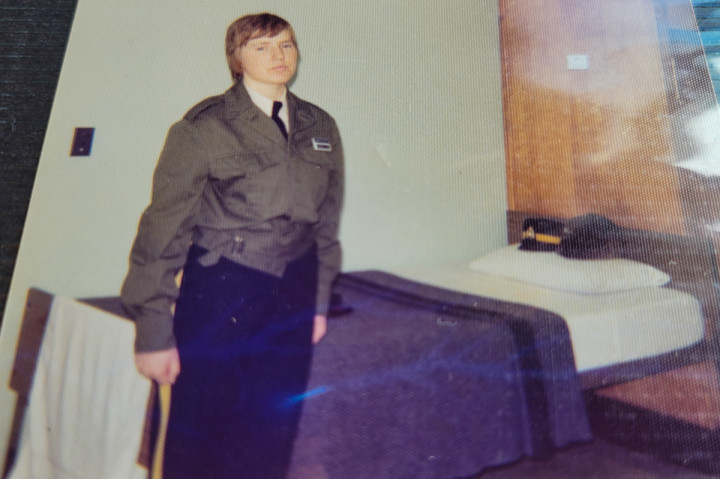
column 274, row 92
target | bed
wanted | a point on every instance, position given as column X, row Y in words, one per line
column 691, row 264
column 616, row 337
column 421, row 380
column 622, row 325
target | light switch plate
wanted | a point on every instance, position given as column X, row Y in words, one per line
column 578, row 62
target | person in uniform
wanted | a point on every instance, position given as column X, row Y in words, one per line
column 246, row 201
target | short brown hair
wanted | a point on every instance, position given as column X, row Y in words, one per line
column 248, row 27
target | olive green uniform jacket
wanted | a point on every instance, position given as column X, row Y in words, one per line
column 229, row 182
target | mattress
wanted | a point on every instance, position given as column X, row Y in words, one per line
column 605, row 329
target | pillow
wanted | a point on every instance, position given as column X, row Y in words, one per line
column 541, row 234
column 556, row 272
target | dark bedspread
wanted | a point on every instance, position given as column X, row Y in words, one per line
column 420, row 382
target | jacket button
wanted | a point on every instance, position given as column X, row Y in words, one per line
column 233, row 320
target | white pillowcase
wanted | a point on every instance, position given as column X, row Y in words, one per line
column 553, row 271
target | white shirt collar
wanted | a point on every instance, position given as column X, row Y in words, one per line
column 265, row 104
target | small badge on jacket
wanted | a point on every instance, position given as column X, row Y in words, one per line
column 321, row 144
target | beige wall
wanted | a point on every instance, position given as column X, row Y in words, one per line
column 414, row 86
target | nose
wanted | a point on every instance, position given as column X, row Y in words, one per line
column 278, row 53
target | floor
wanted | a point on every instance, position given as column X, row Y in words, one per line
column 690, row 395
column 598, row 460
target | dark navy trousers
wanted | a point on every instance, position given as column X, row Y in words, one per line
column 245, row 344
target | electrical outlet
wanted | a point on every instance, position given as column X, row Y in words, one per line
column 82, row 142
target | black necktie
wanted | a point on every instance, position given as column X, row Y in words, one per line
column 276, row 109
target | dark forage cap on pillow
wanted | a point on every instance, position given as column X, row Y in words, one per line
column 541, row 234
column 590, row 236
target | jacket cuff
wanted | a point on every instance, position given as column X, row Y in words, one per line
column 153, row 332
column 322, row 302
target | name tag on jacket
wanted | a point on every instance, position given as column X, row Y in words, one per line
column 321, row 144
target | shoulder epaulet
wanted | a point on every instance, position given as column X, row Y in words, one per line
column 207, row 103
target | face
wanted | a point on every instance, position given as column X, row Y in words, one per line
column 269, row 62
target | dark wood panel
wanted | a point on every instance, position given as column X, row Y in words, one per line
column 536, row 107
column 595, row 140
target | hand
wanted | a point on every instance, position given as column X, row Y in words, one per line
column 161, row 366
column 319, row 328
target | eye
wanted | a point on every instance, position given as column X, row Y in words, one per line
column 288, row 45
column 260, row 49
